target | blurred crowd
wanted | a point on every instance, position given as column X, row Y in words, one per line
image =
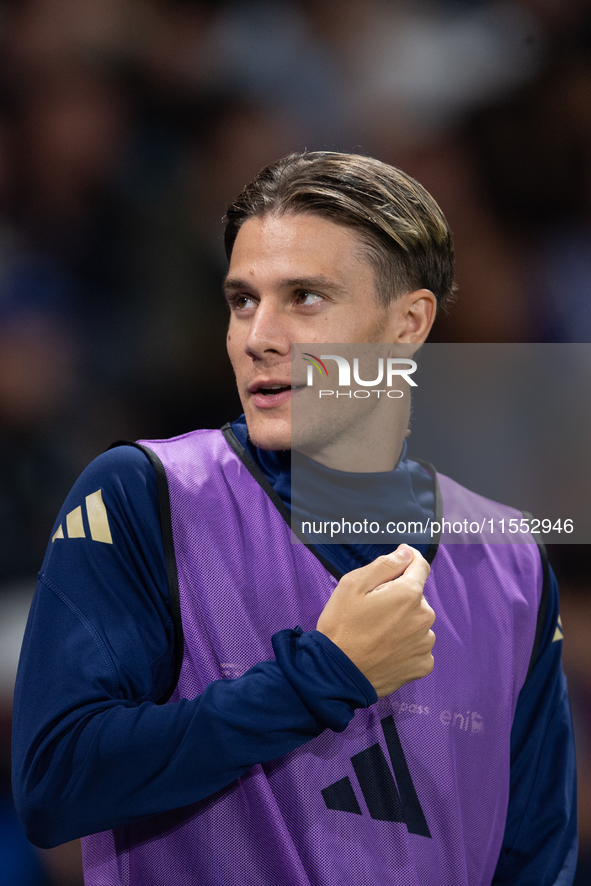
column 126, row 128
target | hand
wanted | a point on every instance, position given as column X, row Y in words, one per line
column 380, row 619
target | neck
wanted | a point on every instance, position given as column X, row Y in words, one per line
column 372, row 445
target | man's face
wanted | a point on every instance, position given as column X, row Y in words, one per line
column 296, row 278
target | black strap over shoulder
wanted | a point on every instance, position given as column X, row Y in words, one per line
column 434, row 546
column 543, row 607
column 170, row 558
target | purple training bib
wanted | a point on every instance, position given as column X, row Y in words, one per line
column 415, row 791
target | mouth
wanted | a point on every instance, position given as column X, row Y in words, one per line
column 268, row 388
column 267, row 393
column 271, row 390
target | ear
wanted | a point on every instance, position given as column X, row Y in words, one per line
column 413, row 316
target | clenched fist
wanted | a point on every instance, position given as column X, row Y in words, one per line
column 380, row 619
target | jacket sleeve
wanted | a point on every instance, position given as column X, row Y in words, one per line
column 540, row 840
column 93, row 747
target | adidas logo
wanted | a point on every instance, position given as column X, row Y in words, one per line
column 386, row 799
column 98, row 522
column 558, row 634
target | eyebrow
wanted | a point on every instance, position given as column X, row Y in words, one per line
column 319, row 282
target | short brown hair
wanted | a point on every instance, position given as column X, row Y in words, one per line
column 405, row 234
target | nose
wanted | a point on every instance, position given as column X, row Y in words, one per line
column 269, row 332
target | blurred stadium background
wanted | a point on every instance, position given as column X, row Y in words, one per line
column 126, row 127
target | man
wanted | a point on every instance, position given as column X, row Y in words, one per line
column 167, row 705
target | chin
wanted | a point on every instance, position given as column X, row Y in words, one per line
column 265, row 436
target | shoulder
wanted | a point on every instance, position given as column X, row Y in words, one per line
column 115, row 469
column 200, row 446
column 465, row 517
column 192, row 460
column 458, row 499
column 106, row 551
column 115, row 495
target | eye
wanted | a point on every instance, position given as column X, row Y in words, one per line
column 309, row 298
column 239, row 302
